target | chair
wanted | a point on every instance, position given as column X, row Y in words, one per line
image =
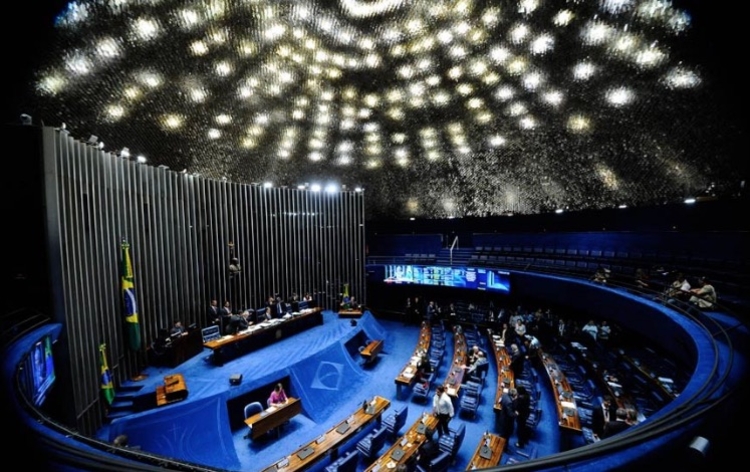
column 346, row 463
column 422, row 389
column 439, row 463
column 469, row 405
column 250, row 410
column 451, row 442
column 533, row 420
column 370, row 445
column 395, row 421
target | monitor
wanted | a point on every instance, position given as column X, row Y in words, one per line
column 40, row 371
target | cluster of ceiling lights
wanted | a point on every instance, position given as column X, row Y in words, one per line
column 457, row 107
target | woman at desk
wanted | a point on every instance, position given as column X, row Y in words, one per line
column 278, row 396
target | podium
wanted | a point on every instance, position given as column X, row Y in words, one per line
column 173, row 390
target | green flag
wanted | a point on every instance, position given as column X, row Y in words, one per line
column 108, row 389
column 128, row 297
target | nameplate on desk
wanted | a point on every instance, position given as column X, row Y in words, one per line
column 320, row 439
column 344, row 427
column 370, row 410
column 397, row 454
column 282, row 464
column 305, row 453
column 264, row 413
column 485, row 452
column 421, row 428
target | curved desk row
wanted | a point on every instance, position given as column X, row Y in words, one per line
column 408, row 374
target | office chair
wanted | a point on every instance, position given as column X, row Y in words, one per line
column 250, row 410
column 395, row 421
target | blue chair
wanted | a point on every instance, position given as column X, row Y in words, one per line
column 469, row 405
column 346, row 463
column 439, row 463
column 422, row 389
column 370, row 445
column 451, row 443
column 395, row 421
column 250, row 410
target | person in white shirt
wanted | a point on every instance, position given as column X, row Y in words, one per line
column 703, row 297
column 442, row 408
column 591, row 329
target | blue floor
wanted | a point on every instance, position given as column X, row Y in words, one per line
column 198, row 429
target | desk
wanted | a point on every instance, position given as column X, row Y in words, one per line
column 273, row 417
column 371, row 351
column 408, row 374
column 496, row 447
column 180, row 349
column 505, row 377
column 454, row 379
column 257, row 336
column 173, row 390
column 567, row 411
column 329, row 442
column 350, row 313
column 409, row 444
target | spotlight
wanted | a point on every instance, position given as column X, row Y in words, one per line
column 125, row 153
column 25, row 119
column 92, row 140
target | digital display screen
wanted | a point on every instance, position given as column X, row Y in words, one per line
column 460, row 277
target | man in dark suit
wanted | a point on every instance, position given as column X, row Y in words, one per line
column 279, row 308
column 619, row 424
column 224, row 315
column 213, row 313
column 516, row 361
column 601, row 415
column 507, row 413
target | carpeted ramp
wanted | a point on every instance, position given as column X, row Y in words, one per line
column 197, row 432
column 322, row 382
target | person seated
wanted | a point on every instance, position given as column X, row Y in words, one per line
column 601, row 275
column 679, row 289
column 704, row 296
column 641, row 278
column 278, row 396
column 178, row 329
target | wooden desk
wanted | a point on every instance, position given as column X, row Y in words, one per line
column 173, row 390
column 496, row 447
column 263, row 334
column 408, row 374
column 455, row 377
column 409, row 443
column 350, row 313
column 273, row 417
column 371, row 351
column 567, row 411
column 328, row 443
column 505, row 377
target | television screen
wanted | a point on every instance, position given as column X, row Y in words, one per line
column 41, row 370
column 459, row 277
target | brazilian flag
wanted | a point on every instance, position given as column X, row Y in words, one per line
column 130, row 307
column 108, row 389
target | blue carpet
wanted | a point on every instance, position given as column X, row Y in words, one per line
column 323, row 368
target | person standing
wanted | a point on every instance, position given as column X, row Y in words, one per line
column 507, row 413
column 442, row 408
column 601, row 415
column 522, row 406
column 213, row 314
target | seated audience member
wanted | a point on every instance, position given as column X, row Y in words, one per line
column 278, row 396
column 601, row 275
column 605, row 332
column 704, row 297
column 679, row 290
column 616, row 426
column 641, row 278
column 266, row 315
column 591, row 329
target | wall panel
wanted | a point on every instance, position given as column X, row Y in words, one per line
column 179, row 227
